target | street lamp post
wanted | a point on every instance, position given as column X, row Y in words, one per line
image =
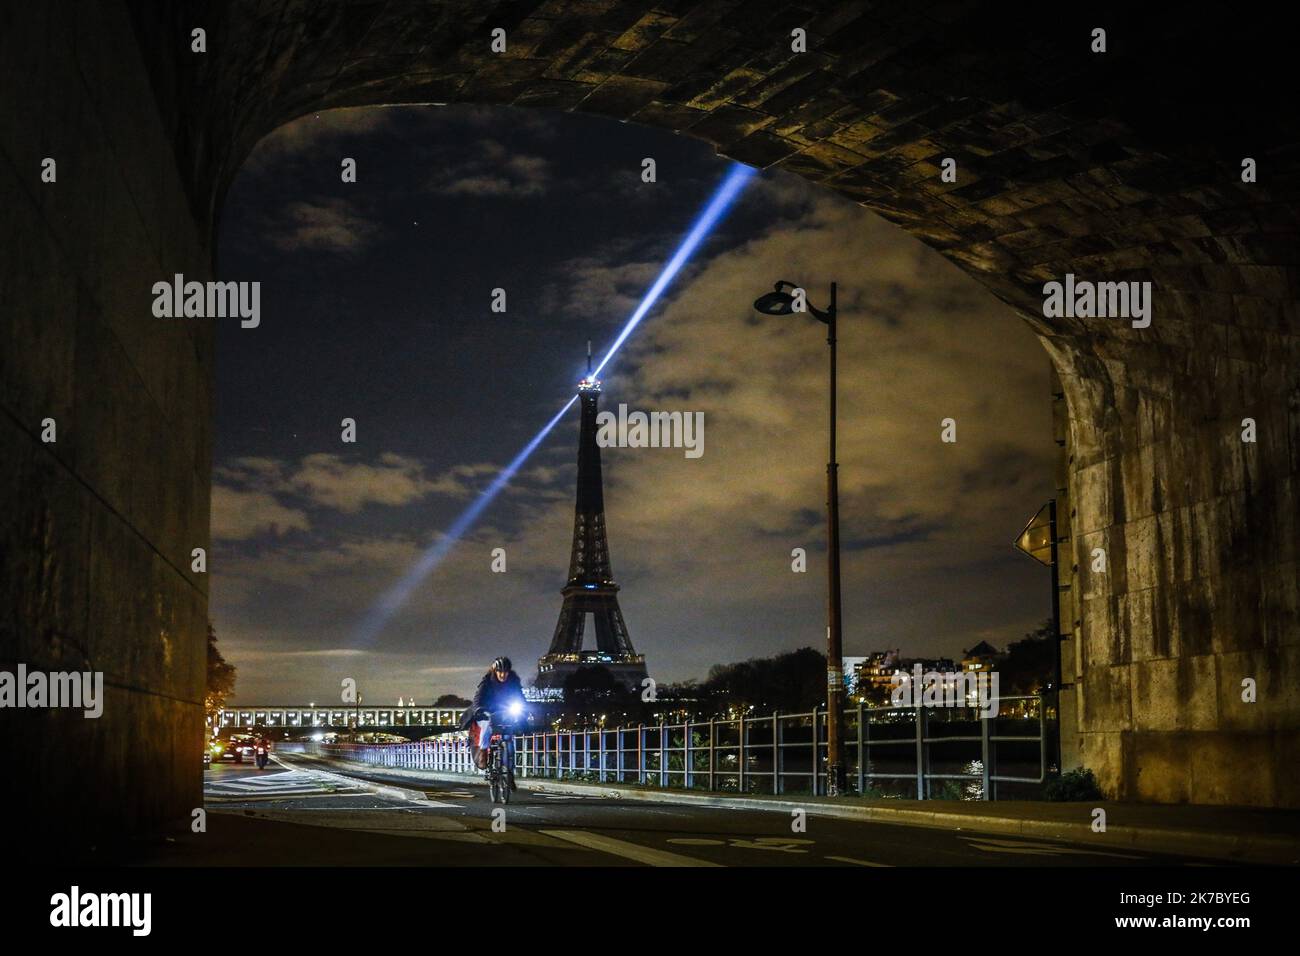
column 781, row 302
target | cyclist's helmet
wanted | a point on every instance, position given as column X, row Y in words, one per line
column 501, row 664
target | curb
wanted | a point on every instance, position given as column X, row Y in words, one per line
column 1236, row 848
column 1232, row 848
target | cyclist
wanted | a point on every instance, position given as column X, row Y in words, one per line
column 499, row 689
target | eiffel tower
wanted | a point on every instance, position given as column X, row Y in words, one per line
column 590, row 589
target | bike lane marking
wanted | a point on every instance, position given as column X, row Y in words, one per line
column 630, row 851
column 774, row 844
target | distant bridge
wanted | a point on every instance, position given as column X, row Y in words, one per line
column 398, row 720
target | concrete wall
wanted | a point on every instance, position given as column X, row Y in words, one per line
column 1199, row 529
column 96, row 529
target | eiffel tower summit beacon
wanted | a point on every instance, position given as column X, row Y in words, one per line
column 590, row 591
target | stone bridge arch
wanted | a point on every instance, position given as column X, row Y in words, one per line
column 1116, row 166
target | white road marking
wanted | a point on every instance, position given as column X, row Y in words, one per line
column 266, row 787
column 372, row 786
column 630, row 851
column 278, row 783
column 284, row 797
column 298, row 785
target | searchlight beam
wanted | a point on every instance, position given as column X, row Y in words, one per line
column 382, row 611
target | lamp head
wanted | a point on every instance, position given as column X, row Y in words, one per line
column 781, row 302
column 777, row 302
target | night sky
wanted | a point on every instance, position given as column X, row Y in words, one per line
column 376, row 306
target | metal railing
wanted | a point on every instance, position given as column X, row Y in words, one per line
column 928, row 753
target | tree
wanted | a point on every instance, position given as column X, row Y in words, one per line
column 451, row 700
column 594, row 689
column 687, row 690
column 1030, row 663
column 793, row 682
column 221, row 679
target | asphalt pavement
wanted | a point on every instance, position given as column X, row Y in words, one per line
column 298, row 813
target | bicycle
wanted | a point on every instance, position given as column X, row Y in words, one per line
column 500, row 768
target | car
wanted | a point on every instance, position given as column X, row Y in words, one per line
column 222, row 750
column 234, row 748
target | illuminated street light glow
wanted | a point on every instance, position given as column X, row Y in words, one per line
column 396, row 596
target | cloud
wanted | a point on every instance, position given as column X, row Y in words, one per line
column 334, row 482
column 261, row 472
column 494, row 171
column 598, row 288
column 452, row 671
column 238, row 515
column 262, row 656
column 292, row 597
column 254, row 496
column 329, row 225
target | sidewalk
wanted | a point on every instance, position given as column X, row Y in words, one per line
column 1232, row 834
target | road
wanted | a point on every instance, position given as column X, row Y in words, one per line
column 293, row 813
